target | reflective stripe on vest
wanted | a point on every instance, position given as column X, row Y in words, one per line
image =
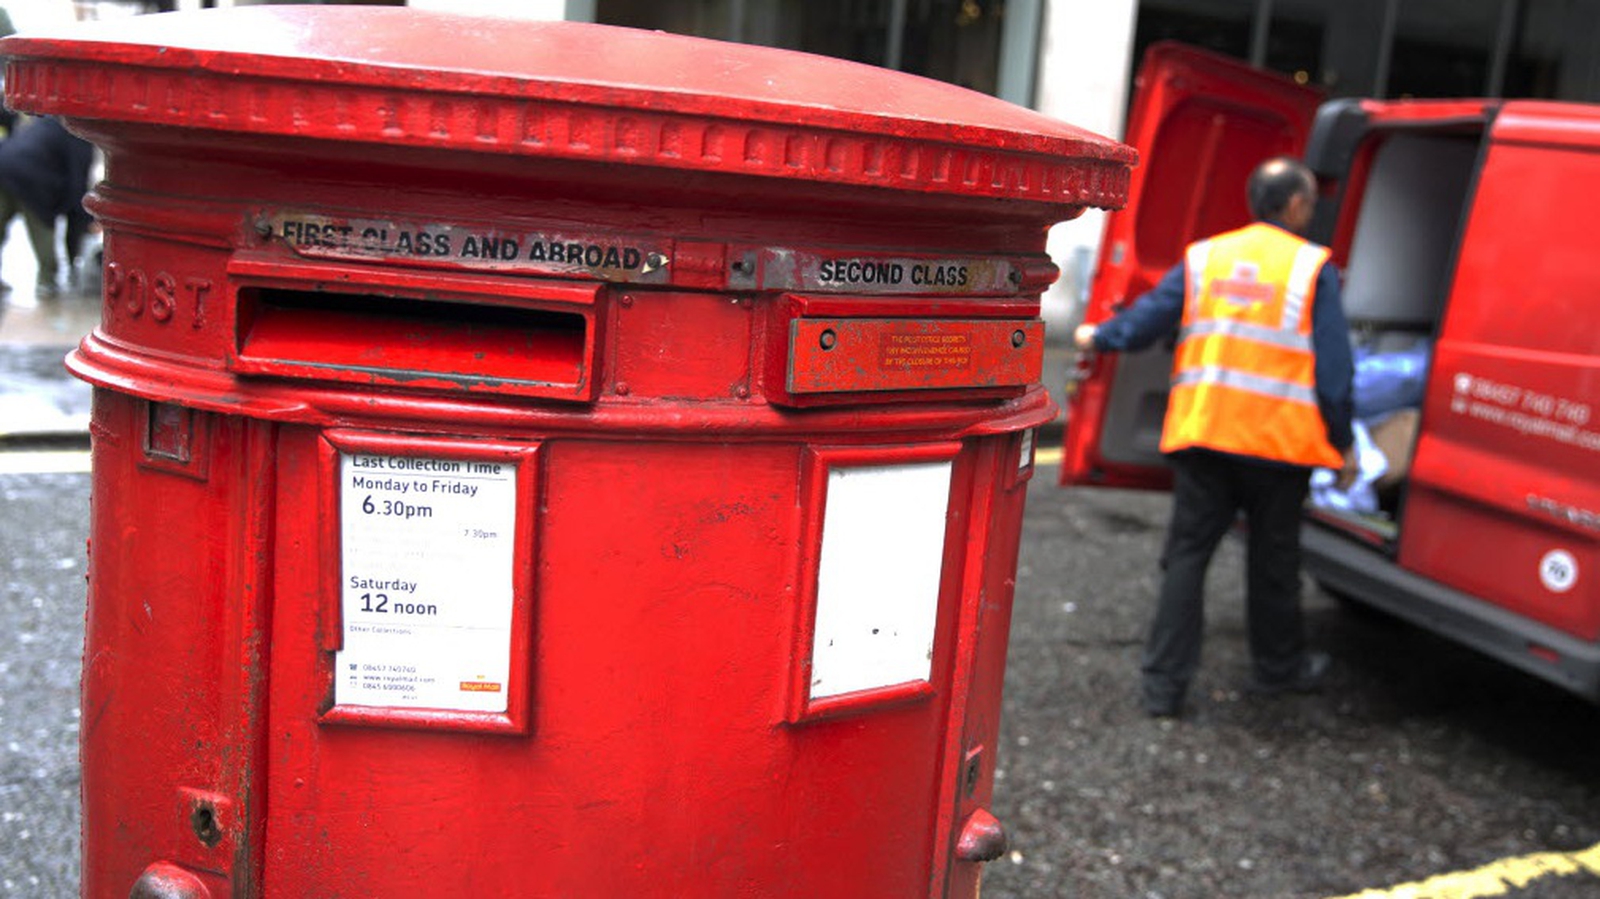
column 1194, row 259
column 1243, row 377
column 1238, row 380
column 1302, row 280
column 1289, row 340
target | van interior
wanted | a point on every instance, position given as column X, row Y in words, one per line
column 1398, row 226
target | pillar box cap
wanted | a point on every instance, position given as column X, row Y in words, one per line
column 409, row 78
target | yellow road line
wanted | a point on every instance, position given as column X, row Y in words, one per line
column 1047, row 455
column 1495, row 878
column 65, row 462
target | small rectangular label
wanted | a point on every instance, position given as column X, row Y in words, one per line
column 878, row 576
column 841, row 355
column 481, row 248
column 426, row 582
column 815, row 272
column 925, row 352
column 171, row 434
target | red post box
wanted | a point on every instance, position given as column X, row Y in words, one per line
column 543, row 459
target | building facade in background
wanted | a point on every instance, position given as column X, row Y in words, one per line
column 1074, row 59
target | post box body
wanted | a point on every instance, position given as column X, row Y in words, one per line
column 594, row 472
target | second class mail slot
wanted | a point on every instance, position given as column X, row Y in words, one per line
column 843, row 355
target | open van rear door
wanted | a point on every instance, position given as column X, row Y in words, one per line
column 1201, row 122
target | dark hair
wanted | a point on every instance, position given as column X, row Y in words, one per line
column 1275, row 182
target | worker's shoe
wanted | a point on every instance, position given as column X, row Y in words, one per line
column 1173, row 709
column 1311, row 677
column 1158, row 703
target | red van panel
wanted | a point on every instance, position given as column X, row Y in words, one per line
column 1201, row 122
column 1505, row 489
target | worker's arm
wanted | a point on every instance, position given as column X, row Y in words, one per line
column 1153, row 315
column 1335, row 369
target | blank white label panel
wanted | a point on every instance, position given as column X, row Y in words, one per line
column 878, row 576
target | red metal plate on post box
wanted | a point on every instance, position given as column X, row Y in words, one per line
column 839, row 355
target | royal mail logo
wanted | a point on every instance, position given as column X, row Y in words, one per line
column 478, row 686
column 1244, row 288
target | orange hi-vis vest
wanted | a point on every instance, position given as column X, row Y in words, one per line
column 1244, row 375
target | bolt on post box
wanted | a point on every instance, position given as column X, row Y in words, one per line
column 545, row 459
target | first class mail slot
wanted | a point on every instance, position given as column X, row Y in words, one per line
column 840, row 355
column 462, row 332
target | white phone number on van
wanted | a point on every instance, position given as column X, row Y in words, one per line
column 1524, row 411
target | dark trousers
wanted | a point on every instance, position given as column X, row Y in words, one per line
column 1209, row 491
column 41, row 235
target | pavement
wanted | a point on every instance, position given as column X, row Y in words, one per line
column 40, row 403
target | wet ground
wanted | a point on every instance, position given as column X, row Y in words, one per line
column 43, row 521
column 37, row 398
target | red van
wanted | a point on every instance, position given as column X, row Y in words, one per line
column 1463, row 228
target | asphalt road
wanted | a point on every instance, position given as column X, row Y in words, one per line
column 43, row 522
column 1420, row 761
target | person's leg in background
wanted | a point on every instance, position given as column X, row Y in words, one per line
column 1203, row 508
column 9, row 209
column 43, row 238
column 1274, row 496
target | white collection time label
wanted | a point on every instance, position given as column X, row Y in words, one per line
column 426, row 582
